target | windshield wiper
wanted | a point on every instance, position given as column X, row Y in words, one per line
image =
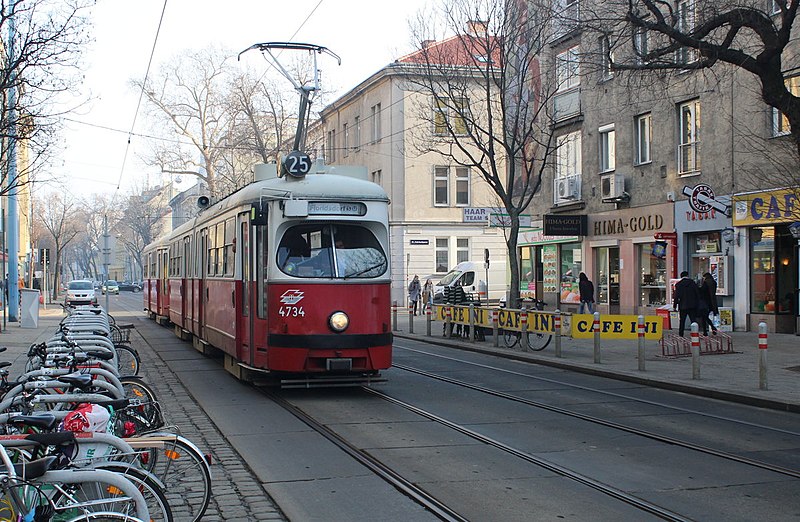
column 373, row 267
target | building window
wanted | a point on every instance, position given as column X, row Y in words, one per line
column 331, row 146
column 686, row 20
column 376, row 176
column 357, row 133
column 442, row 254
column 375, row 112
column 689, row 148
column 346, row 138
column 568, row 74
column 568, row 156
column 462, row 186
column 773, row 6
column 606, row 59
column 449, row 116
column 608, row 153
column 653, row 282
column 462, row 249
column 640, row 45
column 441, row 186
column 780, row 123
column 642, row 136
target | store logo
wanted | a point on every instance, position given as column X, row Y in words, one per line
column 291, row 297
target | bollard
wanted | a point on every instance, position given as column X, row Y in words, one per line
column 410, row 320
column 762, row 355
column 394, row 316
column 471, row 336
column 596, row 330
column 496, row 327
column 448, row 325
column 428, row 320
column 695, row 352
column 640, row 334
column 523, row 320
column 557, row 328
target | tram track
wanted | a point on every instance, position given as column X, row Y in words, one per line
column 610, row 424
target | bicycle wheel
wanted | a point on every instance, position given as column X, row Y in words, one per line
column 127, row 360
column 183, row 470
column 511, row 338
column 149, row 486
column 144, row 412
column 136, row 388
column 537, row 341
column 75, row 494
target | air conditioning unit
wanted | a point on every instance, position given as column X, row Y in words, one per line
column 612, row 186
column 567, row 188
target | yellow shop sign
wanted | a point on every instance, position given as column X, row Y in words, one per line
column 616, row 326
column 763, row 208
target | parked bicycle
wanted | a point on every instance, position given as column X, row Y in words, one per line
column 535, row 341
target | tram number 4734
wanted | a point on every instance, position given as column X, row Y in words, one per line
column 291, row 311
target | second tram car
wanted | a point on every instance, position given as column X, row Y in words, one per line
column 289, row 276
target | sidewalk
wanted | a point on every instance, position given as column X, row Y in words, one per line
column 732, row 377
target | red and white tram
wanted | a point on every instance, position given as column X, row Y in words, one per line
column 288, row 276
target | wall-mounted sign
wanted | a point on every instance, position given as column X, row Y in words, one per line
column 560, row 225
column 701, row 199
column 477, row 214
column 419, row 242
column 762, row 208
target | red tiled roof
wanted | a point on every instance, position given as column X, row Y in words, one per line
column 459, row 50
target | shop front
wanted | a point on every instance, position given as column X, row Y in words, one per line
column 549, row 267
column 768, row 218
column 630, row 258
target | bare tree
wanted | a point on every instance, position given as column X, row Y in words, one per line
column 39, row 62
column 61, row 219
column 191, row 94
column 139, row 226
column 487, row 101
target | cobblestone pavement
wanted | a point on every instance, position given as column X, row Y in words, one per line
column 237, row 493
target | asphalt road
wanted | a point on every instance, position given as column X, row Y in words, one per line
column 561, row 445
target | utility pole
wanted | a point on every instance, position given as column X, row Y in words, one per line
column 13, row 210
column 106, row 256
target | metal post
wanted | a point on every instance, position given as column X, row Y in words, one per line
column 471, row 336
column 394, row 316
column 12, row 225
column 428, row 319
column 557, row 327
column 106, row 256
column 695, row 352
column 523, row 319
column 496, row 327
column 762, row 356
column 410, row 320
column 596, row 330
column 640, row 334
column 448, row 325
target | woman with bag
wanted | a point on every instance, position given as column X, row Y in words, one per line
column 708, row 303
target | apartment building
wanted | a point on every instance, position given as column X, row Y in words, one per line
column 440, row 213
column 660, row 173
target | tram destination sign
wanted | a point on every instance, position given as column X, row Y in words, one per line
column 561, row 225
column 336, row 208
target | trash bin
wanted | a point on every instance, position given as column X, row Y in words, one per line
column 664, row 311
column 29, row 308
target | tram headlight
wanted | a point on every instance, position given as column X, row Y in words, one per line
column 338, row 321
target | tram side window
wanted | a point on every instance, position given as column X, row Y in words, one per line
column 331, row 251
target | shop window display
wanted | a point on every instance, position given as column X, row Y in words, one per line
column 653, row 271
column 772, row 270
column 571, row 263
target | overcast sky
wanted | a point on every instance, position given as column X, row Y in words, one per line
column 367, row 35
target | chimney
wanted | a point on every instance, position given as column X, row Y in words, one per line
column 427, row 43
column 477, row 28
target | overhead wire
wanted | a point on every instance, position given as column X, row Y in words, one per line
column 141, row 93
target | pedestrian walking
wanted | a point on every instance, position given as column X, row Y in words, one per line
column 586, row 289
column 686, row 300
column 708, row 303
column 427, row 293
column 414, row 290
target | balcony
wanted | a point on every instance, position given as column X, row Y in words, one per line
column 567, row 104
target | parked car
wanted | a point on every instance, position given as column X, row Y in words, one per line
column 129, row 287
column 111, row 287
column 80, row 292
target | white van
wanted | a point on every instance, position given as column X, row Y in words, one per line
column 471, row 276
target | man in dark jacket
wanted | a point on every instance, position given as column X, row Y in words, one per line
column 686, row 300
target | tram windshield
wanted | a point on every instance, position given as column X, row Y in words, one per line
column 331, row 251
